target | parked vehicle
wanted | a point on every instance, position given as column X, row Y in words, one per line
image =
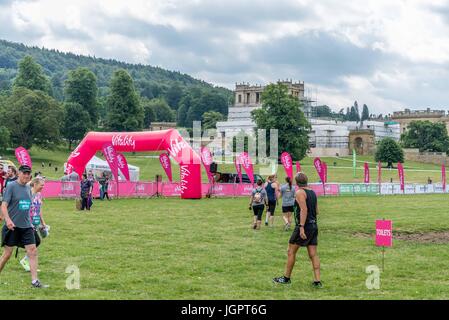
column 221, row 177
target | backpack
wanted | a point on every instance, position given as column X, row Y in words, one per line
column 258, row 196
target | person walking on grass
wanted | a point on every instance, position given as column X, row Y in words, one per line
column 257, row 202
column 305, row 233
column 288, row 201
column 11, row 175
column 272, row 188
column 86, row 192
column 17, row 230
column 36, row 217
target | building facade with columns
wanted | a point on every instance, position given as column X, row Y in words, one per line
column 405, row 117
column 248, row 98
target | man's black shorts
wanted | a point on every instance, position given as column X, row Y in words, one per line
column 311, row 231
column 271, row 207
column 287, row 209
column 19, row 237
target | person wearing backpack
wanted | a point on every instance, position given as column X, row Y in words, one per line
column 257, row 202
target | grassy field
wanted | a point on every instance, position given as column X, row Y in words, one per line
column 339, row 169
column 205, row 249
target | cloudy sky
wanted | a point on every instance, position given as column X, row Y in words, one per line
column 387, row 54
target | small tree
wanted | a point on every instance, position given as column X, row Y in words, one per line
column 5, row 138
column 426, row 136
column 389, row 151
column 210, row 119
column 365, row 113
column 81, row 88
column 124, row 110
column 31, row 76
column 161, row 110
column 76, row 122
column 282, row 111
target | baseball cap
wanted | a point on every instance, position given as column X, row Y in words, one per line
column 25, row 168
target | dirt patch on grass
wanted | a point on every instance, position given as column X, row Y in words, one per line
column 420, row 237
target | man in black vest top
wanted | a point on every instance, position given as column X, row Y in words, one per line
column 305, row 233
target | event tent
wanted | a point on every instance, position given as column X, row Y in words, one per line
column 98, row 166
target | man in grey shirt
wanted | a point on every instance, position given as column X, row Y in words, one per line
column 17, row 230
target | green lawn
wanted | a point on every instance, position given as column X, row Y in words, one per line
column 205, row 249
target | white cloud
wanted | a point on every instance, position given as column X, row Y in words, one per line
column 387, row 54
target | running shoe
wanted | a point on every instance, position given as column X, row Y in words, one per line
column 317, row 284
column 39, row 285
column 281, row 280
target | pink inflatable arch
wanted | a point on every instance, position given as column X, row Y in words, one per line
column 169, row 140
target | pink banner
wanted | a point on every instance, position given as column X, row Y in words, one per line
column 379, row 173
column 165, row 162
column 206, row 158
column 384, row 233
column 23, row 157
column 286, row 160
column 325, row 171
column 328, row 190
column 111, row 157
column 247, row 164
column 319, row 168
column 298, row 167
column 401, row 175
column 443, row 177
column 123, row 165
column 366, row 180
column 238, row 168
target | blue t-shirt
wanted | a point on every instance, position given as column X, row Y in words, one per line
column 18, row 197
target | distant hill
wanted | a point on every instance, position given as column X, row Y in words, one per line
column 152, row 82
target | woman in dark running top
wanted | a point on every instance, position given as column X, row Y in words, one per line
column 272, row 189
column 305, row 233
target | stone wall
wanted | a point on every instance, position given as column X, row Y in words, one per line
column 328, row 152
column 426, row 157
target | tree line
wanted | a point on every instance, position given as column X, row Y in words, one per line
column 30, row 114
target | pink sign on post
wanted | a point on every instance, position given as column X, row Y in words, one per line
column 247, row 164
column 325, row 171
column 206, row 158
column 401, row 175
column 111, row 157
column 123, row 165
column 366, row 173
column 23, row 157
column 286, row 160
column 384, row 233
column 165, row 162
column 443, row 177
column 379, row 173
column 319, row 168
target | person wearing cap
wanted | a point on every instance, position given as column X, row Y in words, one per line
column 17, row 230
column 305, row 233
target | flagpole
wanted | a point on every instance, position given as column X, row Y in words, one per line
column 354, row 159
